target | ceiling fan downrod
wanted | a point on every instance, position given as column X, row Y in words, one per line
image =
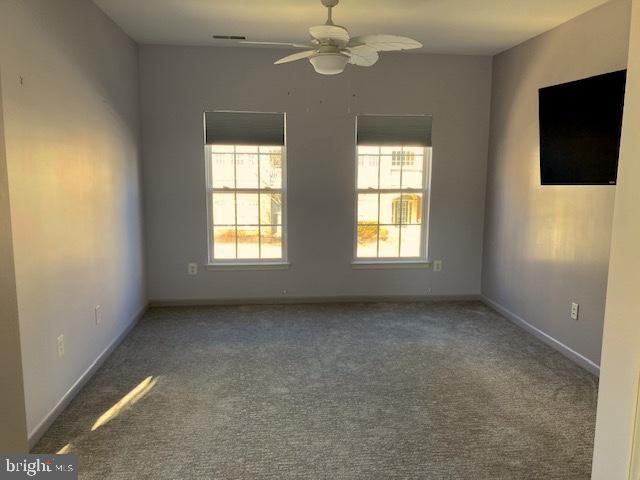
column 329, row 4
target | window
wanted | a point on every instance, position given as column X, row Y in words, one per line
column 392, row 190
column 246, row 195
column 402, row 209
column 398, row 157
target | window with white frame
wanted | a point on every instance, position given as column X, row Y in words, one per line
column 392, row 188
column 246, row 188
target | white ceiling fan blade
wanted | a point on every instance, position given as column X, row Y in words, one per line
column 386, row 43
column 281, row 44
column 330, row 32
column 363, row 55
column 295, row 56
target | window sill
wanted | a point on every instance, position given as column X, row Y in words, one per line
column 390, row 264
column 248, row 266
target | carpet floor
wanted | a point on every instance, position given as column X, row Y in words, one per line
column 442, row 390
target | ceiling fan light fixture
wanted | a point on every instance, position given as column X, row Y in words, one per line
column 329, row 63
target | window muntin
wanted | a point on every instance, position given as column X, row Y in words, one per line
column 246, row 195
column 392, row 195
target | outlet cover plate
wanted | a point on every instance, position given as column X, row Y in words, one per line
column 61, row 346
column 575, row 311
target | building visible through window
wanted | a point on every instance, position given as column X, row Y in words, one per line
column 398, row 157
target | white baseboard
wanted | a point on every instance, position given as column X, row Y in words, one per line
column 581, row 360
column 44, row 425
column 164, row 302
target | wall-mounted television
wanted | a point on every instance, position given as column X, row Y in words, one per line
column 580, row 126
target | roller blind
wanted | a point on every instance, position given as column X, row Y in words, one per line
column 244, row 128
column 394, row 130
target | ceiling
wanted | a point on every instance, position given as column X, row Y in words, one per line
column 482, row 27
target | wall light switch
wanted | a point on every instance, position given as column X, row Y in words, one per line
column 61, row 346
column 192, row 268
column 98, row 314
column 437, row 265
column 575, row 309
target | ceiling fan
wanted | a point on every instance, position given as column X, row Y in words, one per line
column 331, row 47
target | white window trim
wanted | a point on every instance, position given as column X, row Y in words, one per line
column 384, row 264
column 248, row 263
column 248, row 266
column 421, row 261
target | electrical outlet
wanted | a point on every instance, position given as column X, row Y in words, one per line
column 192, row 268
column 575, row 310
column 98, row 314
column 61, row 346
column 437, row 265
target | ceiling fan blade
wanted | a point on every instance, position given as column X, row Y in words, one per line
column 363, row 55
column 385, row 43
column 281, row 44
column 330, row 32
column 295, row 56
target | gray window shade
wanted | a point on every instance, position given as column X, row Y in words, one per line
column 244, row 128
column 394, row 130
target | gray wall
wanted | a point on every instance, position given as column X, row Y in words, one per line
column 546, row 247
column 12, row 417
column 617, row 443
column 178, row 83
column 72, row 140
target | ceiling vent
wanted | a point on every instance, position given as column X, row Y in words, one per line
column 229, row 37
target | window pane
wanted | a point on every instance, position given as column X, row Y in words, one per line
column 246, row 149
column 367, row 208
column 415, row 150
column 224, row 243
column 410, row 208
column 221, row 148
column 410, row 240
column 390, row 150
column 223, row 209
column 412, row 175
column 271, row 209
column 247, row 209
column 389, row 173
column 271, row 169
column 221, row 170
column 248, row 242
column 390, row 220
column 389, row 241
column 271, row 241
column 268, row 149
column 368, row 150
column 246, row 170
column 368, row 171
column 389, row 207
column 367, row 241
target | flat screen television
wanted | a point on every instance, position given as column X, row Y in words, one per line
column 580, row 126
